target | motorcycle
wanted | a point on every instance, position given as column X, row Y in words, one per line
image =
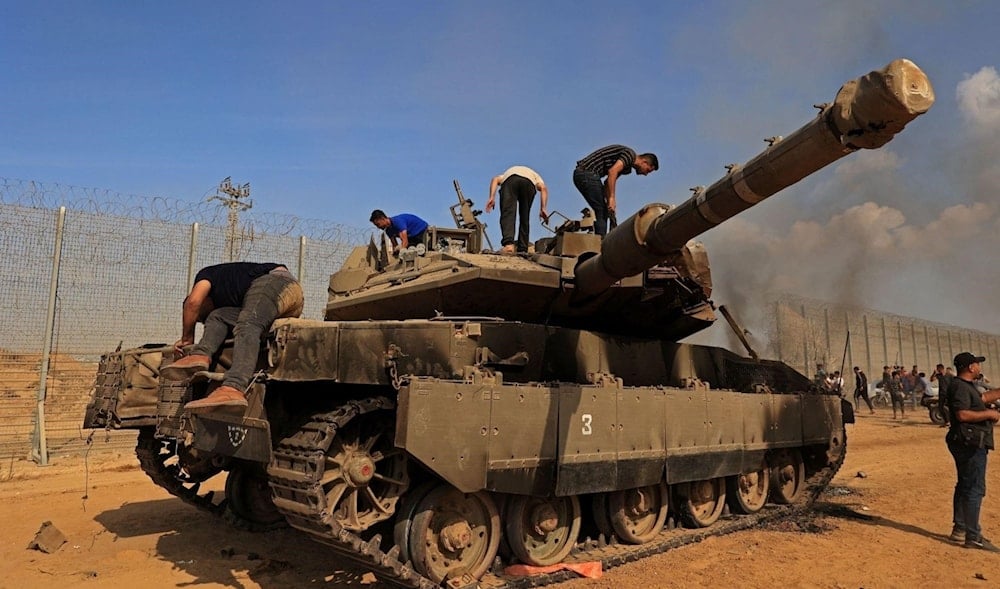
column 934, row 409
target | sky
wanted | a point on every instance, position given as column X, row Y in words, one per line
column 331, row 109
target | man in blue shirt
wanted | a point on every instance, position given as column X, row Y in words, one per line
column 409, row 229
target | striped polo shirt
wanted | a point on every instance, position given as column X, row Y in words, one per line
column 601, row 160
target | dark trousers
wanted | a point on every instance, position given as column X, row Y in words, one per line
column 897, row 400
column 862, row 393
column 270, row 296
column 590, row 186
column 517, row 193
column 970, row 488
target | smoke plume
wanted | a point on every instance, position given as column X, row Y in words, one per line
column 890, row 245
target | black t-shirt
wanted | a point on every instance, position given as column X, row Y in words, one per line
column 230, row 282
column 860, row 382
column 962, row 394
column 943, row 381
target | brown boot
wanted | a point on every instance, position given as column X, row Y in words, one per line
column 183, row 369
column 223, row 396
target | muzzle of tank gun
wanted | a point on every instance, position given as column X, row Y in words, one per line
column 866, row 114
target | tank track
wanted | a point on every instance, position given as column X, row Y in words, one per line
column 298, row 494
column 153, row 460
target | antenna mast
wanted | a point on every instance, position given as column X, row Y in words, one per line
column 232, row 197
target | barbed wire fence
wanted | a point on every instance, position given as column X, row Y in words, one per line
column 118, row 277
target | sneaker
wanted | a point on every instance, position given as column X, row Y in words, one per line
column 183, row 369
column 981, row 544
column 224, row 396
column 957, row 534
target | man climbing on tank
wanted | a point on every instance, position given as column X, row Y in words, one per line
column 409, row 229
column 608, row 162
column 518, row 185
column 241, row 297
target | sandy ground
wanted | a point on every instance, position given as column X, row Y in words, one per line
column 123, row 531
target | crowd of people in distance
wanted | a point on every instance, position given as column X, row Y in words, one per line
column 898, row 384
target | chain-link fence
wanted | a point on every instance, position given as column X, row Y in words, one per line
column 122, row 267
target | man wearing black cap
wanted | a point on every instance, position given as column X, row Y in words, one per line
column 969, row 439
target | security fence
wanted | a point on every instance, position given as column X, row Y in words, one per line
column 806, row 332
column 86, row 271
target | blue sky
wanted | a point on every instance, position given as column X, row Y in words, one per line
column 330, row 109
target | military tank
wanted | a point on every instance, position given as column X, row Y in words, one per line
column 459, row 411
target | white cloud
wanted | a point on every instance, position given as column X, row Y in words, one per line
column 979, row 100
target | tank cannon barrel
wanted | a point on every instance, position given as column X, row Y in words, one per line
column 866, row 114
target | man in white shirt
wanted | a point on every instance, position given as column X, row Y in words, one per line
column 518, row 185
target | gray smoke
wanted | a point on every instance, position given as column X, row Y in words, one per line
column 889, row 246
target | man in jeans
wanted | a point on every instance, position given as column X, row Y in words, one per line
column 242, row 296
column 610, row 162
column 969, row 440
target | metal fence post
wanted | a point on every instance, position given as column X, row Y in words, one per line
column 192, row 256
column 805, row 342
column 40, row 450
column 777, row 329
column 302, row 258
column 868, row 344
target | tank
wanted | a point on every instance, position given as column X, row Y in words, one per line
column 461, row 417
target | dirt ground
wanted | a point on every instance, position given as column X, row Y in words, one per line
column 123, row 531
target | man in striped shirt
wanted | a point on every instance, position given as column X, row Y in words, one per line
column 611, row 162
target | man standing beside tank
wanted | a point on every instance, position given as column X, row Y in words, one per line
column 969, row 439
column 610, row 162
column 518, row 185
column 245, row 297
column 408, row 228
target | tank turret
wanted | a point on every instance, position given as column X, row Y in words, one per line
column 648, row 277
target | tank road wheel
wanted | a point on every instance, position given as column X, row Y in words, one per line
column 788, row 475
column 702, row 502
column 405, row 513
column 364, row 474
column 542, row 530
column 454, row 533
column 599, row 509
column 748, row 492
column 638, row 515
column 248, row 499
